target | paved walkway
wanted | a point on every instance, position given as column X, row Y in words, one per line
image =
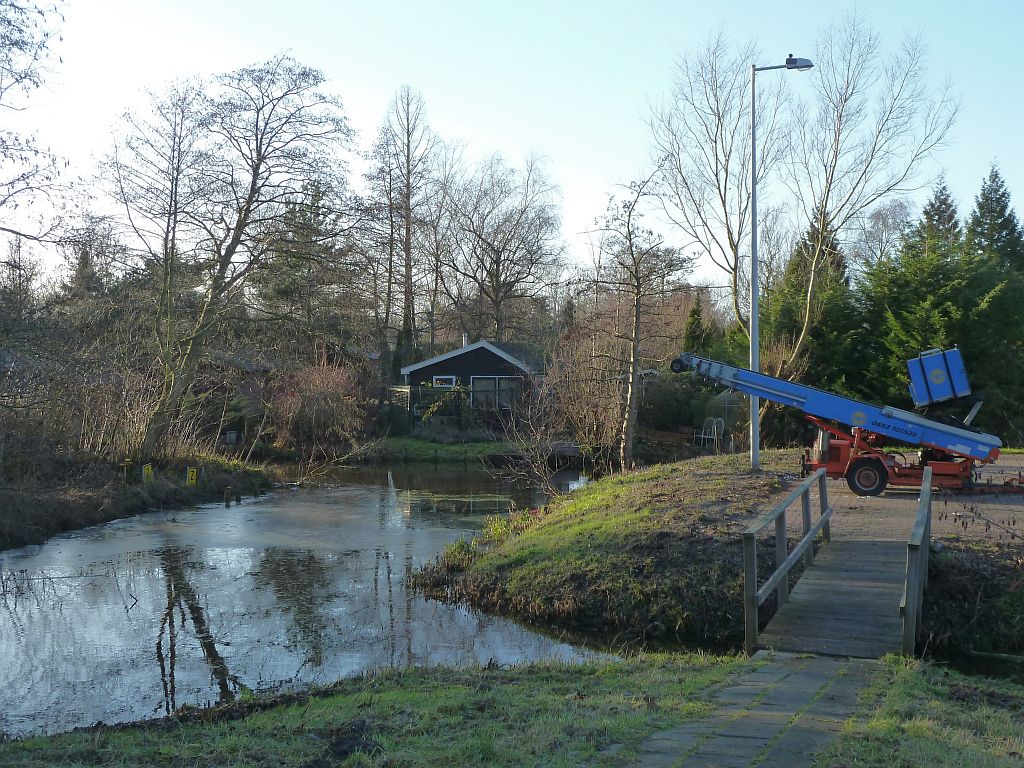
column 776, row 716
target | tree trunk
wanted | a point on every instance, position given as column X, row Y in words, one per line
column 175, row 383
column 632, row 391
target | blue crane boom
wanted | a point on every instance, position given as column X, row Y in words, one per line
column 904, row 426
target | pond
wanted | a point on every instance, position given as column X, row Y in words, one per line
column 132, row 619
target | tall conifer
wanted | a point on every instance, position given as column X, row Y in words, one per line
column 993, row 227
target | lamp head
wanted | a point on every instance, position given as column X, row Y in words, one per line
column 801, row 65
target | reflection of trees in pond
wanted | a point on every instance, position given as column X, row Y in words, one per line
column 297, row 578
column 433, row 506
column 181, row 595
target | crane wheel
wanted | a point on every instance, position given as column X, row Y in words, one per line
column 866, row 477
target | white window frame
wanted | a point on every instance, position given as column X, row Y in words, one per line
column 445, row 381
column 474, row 378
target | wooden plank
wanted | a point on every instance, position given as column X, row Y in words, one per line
column 815, row 626
column 846, row 604
column 861, row 650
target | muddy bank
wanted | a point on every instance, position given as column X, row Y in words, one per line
column 97, row 493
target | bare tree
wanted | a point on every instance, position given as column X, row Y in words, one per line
column 203, row 181
column 379, row 245
column 26, row 31
column 641, row 270
column 874, row 122
column 412, row 145
column 702, row 142
column 877, row 235
column 438, row 236
column 509, row 242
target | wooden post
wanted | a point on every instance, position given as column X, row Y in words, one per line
column 227, row 497
column 927, row 541
column 826, row 531
column 911, row 608
column 805, row 513
column 781, row 551
column 749, row 593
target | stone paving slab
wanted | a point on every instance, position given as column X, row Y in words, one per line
column 780, row 714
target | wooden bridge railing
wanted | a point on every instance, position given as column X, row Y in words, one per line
column 753, row 597
column 917, row 566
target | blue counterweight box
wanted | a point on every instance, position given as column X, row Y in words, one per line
column 937, row 375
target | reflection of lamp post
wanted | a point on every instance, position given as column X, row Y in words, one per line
column 801, row 65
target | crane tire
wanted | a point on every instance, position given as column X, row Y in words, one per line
column 866, row 477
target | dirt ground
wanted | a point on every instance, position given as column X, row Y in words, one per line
column 890, row 516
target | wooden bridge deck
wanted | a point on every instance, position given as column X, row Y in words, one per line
column 846, row 604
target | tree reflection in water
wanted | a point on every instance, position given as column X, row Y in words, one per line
column 181, row 595
column 298, row 579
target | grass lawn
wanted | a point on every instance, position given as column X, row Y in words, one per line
column 417, row 450
column 546, row 714
column 918, row 715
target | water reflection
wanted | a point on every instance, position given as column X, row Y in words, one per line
column 181, row 595
column 299, row 580
column 138, row 617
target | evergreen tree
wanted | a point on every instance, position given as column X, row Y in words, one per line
column 833, row 310
column 695, row 334
column 939, row 226
column 993, row 227
column 938, row 294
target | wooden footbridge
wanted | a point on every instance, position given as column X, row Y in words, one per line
column 853, row 598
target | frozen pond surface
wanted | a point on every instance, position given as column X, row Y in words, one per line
column 132, row 619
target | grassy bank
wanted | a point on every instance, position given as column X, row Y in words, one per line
column 652, row 555
column 919, row 715
column 548, row 714
column 85, row 495
column 412, row 449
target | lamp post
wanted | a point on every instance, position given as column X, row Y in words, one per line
column 801, row 65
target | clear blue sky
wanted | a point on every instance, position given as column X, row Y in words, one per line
column 567, row 80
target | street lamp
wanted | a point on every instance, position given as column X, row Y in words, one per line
column 801, row 65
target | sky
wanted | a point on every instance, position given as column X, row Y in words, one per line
column 568, row 80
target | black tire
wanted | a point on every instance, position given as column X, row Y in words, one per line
column 867, row 477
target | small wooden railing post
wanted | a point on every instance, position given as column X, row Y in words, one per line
column 826, row 531
column 805, row 517
column 781, row 551
column 750, row 604
column 917, row 567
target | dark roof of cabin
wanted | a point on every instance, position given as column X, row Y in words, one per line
column 501, row 351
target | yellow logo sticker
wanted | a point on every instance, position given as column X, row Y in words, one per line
column 859, row 418
column 938, row 376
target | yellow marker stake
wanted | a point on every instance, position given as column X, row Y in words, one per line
column 147, row 473
column 192, row 476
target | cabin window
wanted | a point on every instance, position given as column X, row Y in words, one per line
column 444, row 381
column 494, row 392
